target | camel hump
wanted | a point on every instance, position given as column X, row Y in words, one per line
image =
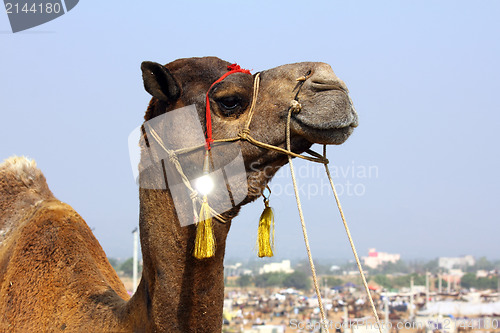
column 22, row 186
column 21, row 170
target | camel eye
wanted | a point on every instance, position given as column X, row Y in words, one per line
column 229, row 103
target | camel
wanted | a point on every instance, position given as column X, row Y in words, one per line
column 54, row 275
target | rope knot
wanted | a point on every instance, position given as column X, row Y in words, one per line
column 295, row 106
column 193, row 195
column 244, row 133
column 172, row 157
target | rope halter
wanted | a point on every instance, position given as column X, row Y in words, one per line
column 244, row 133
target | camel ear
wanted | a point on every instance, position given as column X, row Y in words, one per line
column 159, row 82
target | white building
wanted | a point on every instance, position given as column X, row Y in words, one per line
column 376, row 259
column 236, row 270
column 456, row 262
column 277, row 267
column 482, row 273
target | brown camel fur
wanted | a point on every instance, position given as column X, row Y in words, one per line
column 54, row 275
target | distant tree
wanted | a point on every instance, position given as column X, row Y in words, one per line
column 303, row 266
column 245, row 280
column 468, row 280
column 419, row 279
column 333, row 281
column 297, row 280
column 349, row 266
column 391, row 268
column 320, row 267
column 269, row 280
column 444, row 284
column 260, row 281
column 486, row 283
column 432, row 266
column 275, row 279
column 403, row 281
column 383, row 280
column 483, row 264
column 127, row 267
column 114, row 262
column 399, row 281
column 421, row 267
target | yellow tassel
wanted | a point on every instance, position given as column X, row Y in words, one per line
column 205, row 240
column 266, row 236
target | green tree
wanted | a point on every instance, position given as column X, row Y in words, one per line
column 269, row 280
column 483, row 264
column 468, row 280
column 432, row 266
column 127, row 267
column 486, row 283
column 245, row 280
column 333, row 281
column 383, row 280
column 275, row 279
column 297, row 280
column 391, row 268
column 399, row 281
column 114, row 262
column 419, row 279
column 444, row 284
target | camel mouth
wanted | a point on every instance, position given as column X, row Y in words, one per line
column 331, row 134
column 350, row 120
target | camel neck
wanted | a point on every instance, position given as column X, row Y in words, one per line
column 177, row 292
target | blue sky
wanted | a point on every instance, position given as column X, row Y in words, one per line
column 423, row 77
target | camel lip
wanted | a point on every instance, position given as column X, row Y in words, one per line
column 335, row 135
column 352, row 121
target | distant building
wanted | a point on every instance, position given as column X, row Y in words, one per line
column 277, row 267
column 334, row 268
column 482, row 273
column 456, row 262
column 453, row 278
column 376, row 259
column 236, row 270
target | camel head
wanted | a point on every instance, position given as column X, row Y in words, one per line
column 326, row 115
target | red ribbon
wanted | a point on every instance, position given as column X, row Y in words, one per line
column 234, row 68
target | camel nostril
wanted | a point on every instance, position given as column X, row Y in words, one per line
column 328, row 85
column 323, row 78
column 322, row 83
